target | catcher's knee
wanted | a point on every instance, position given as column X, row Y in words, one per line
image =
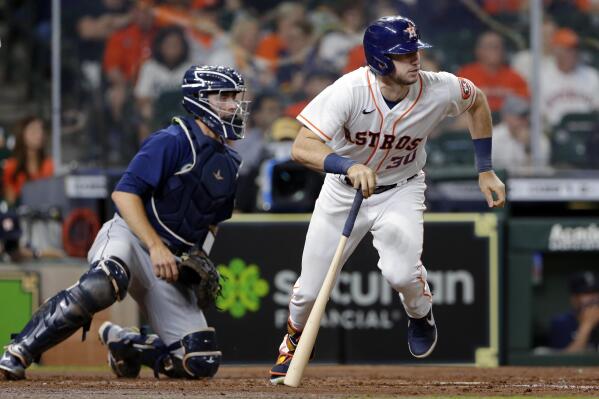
column 201, row 356
column 104, row 283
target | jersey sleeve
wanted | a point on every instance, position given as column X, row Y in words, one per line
column 160, row 156
column 327, row 113
column 462, row 93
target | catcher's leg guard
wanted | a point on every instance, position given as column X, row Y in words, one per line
column 59, row 317
column 202, row 357
column 128, row 350
column 11, row 367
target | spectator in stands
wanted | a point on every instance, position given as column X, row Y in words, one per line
column 12, row 246
column 239, row 52
column 567, row 85
column 161, row 74
column 336, row 44
column 126, row 51
column 29, row 162
column 497, row 7
column 282, row 134
column 296, row 58
column 522, row 60
column 91, row 24
column 491, row 74
column 200, row 21
column 266, row 109
column 273, row 45
column 284, row 185
column 574, row 13
column 578, row 329
column 355, row 59
column 511, row 137
column 277, row 150
column 315, row 81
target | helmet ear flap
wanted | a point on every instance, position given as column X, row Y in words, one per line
column 385, row 64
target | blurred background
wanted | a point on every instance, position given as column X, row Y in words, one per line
column 82, row 83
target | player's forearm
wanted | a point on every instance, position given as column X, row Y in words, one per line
column 481, row 130
column 581, row 339
column 310, row 152
column 132, row 210
column 480, row 123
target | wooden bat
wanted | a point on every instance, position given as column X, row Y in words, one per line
column 308, row 338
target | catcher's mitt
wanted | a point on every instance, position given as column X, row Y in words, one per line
column 198, row 271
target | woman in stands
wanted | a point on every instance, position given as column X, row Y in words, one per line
column 29, row 160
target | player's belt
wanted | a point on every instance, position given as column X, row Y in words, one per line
column 382, row 189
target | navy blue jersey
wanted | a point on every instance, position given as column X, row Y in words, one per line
column 563, row 331
column 186, row 180
column 161, row 155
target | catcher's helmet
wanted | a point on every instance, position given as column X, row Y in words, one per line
column 390, row 35
column 199, row 82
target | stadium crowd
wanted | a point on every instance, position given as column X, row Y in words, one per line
column 122, row 63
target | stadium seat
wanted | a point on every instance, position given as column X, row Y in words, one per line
column 451, row 148
column 574, row 140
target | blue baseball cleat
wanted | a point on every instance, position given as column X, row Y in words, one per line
column 422, row 335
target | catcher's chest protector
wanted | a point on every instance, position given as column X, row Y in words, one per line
column 195, row 197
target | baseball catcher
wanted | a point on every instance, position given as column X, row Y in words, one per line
column 175, row 191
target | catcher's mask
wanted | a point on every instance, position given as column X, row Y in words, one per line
column 223, row 119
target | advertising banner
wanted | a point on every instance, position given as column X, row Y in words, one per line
column 260, row 261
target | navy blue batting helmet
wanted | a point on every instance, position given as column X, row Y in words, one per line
column 199, row 82
column 390, row 35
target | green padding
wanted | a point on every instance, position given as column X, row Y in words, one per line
column 15, row 308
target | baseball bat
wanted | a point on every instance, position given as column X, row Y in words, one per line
column 308, row 338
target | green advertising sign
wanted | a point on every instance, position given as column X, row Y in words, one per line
column 242, row 288
column 19, row 293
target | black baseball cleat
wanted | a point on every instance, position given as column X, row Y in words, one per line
column 11, row 367
column 422, row 335
column 125, row 347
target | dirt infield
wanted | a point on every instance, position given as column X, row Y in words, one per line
column 320, row 381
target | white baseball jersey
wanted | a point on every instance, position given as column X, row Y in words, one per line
column 565, row 93
column 352, row 117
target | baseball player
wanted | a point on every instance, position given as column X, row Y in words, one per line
column 178, row 186
column 367, row 131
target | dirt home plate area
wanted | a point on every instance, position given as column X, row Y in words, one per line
column 320, row 381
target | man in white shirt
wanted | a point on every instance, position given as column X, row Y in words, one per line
column 511, row 137
column 567, row 85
